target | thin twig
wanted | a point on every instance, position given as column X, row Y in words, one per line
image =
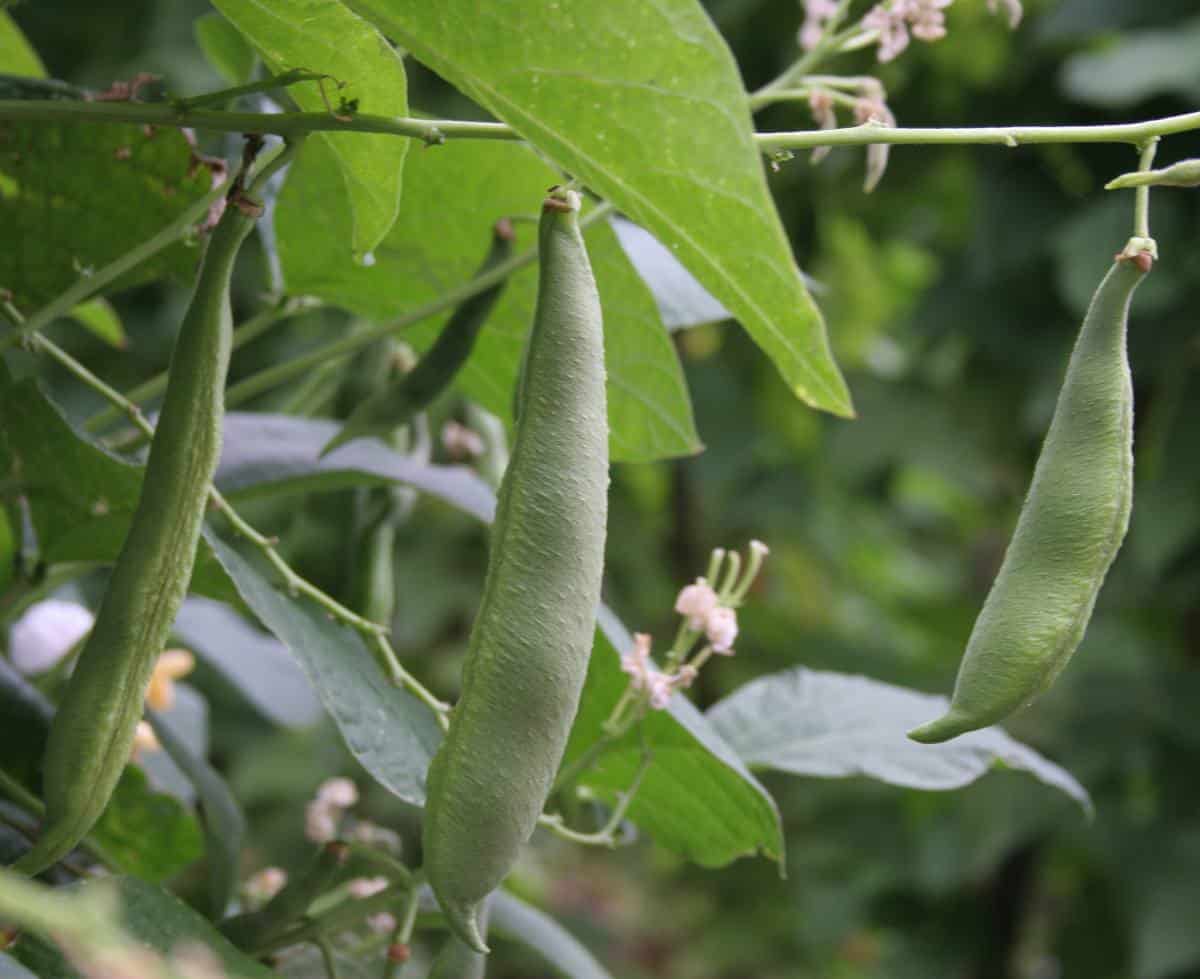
column 1141, row 200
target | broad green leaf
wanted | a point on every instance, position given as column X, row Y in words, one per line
column 101, row 320
column 224, row 824
column 641, row 100
column 75, row 196
column 390, row 732
column 831, row 725
column 454, row 195
column 696, row 798
column 153, row 917
column 324, row 36
column 17, row 56
column 257, row 664
column 82, row 497
column 226, row 49
column 150, row 834
column 513, row 918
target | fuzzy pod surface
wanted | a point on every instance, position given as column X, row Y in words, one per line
column 384, row 412
column 530, row 643
column 91, row 736
column 1071, row 525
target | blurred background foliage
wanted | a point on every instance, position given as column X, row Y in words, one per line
column 953, row 294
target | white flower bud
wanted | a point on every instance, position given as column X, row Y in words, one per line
column 46, row 633
column 362, row 887
column 339, row 792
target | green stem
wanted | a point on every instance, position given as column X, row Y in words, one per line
column 1141, row 200
column 266, row 85
column 346, row 345
column 294, row 124
column 254, row 327
column 286, row 124
column 827, row 44
column 392, row 967
column 327, row 959
column 606, row 835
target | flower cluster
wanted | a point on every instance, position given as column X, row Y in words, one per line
column 817, row 14
column 324, row 813
column 708, row 612
column 894, row 20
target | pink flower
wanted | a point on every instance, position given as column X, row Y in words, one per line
column 696, row 602
column 1011, row 7
column 362, row 887
column 874, row 110
column 816, row 15
column 339, row 792
column 721, row 629
column 892, row 27
column 636, row 662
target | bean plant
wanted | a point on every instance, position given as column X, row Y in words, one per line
column 476, row 317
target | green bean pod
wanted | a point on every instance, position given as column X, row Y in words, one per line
column 530, row 643
column 1071, row 526
column 92, row 733
column 457, row 960
column 392, row 407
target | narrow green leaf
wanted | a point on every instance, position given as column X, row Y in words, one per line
column 224, row 824
column 390, row 732
column 642, row 100
column 454, row 195
column 101, row 320
column 226, row 49
column 17, row 56
column 324, row 36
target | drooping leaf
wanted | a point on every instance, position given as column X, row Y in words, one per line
column 454, row 195
column 390, row 732
column 1142, row 64
column 831, row 725
column 224, row 824
column 257, row 664
column 643, row 102
column 322, row 35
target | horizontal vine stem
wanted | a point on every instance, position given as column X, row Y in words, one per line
column 286, row 124
column 292, row 124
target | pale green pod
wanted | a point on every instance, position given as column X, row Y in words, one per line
column 456, row 960
column 530, row 643
column 91, row 735
column 1071, row 526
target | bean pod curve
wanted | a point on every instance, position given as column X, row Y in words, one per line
column 1071, row 525
column 529, row 647
column 92, row 733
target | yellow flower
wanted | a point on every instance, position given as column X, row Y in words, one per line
column 171, row 665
